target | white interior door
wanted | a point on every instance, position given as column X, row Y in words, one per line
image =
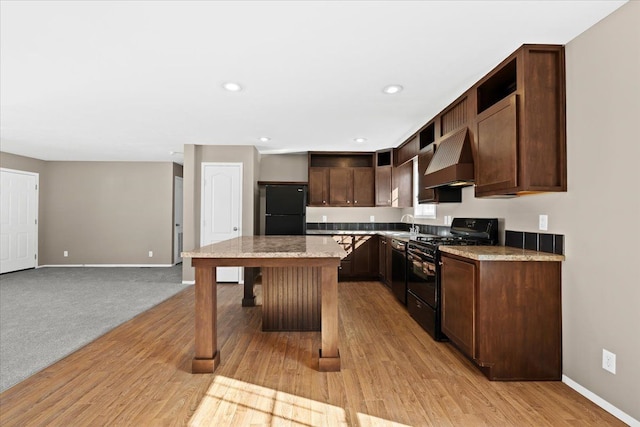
column 18, row 220
column 177, row 216
column 221, row 212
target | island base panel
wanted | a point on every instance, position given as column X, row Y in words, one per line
column 205, row 366
column 291, row 299
column 328, row 364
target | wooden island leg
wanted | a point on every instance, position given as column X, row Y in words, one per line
column 329, row 356
column 250, row 274
column 207, row 357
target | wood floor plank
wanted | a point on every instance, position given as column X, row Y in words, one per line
column 393, row 374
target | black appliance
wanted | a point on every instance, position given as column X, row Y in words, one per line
column 286, row 209
column 423, row 268
column 399, row 270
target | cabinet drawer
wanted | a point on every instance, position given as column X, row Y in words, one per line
column 421, row 312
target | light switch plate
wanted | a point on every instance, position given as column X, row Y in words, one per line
column 372, row 218
column 324, row 218
column 543, row 222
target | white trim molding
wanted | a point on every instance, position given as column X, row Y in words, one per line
column 107, row 265
column 623, row 416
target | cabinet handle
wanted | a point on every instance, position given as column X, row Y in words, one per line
column 324, row 202
column 348, row 202
column 355, row 202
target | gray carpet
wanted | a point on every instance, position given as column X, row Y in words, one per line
column 48, row 313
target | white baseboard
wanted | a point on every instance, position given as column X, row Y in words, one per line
column 623, row 416
column 105, row 265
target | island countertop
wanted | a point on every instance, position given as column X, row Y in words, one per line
column 271, row 247
column 500, row 253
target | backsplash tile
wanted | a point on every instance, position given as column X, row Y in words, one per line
column 373, row 226
column 544, row 242
column 531, row 241
column 514, row 239
column 558, row 245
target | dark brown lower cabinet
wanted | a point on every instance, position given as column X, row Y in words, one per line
column 505, row 316
column 382, row 260
column 362, row 257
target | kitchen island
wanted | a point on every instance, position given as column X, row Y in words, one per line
column 307, row 265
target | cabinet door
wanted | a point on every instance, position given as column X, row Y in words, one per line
column 365, row 254
column 402, row 192
column 388, row 261
column 458, row 303
column 363, row 187
column 425, row 194
column 318, row 186
column 346, row 264
column 497, row 148
column 340, row 186
column 383, row 186
column 382, row 259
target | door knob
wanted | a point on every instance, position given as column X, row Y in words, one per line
column 235, row 228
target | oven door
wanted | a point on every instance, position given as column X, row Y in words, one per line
column 421, row 278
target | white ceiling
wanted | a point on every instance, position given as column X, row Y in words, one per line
column 137, row 80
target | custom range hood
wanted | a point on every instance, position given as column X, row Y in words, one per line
column 452, row 163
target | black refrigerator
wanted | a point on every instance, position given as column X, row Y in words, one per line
column 286, row 210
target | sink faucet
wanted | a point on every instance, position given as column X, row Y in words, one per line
column 414, row 229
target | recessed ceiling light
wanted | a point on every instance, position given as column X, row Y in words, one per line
column 360, row 140
column 232, row 87
column 264, row 139
column 391, row 89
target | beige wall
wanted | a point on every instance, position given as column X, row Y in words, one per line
column 284, row 167
column 194, row 156
column 102, row 212
column 107, row 213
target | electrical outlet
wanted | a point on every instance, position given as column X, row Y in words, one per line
column 543, row 222
column 66, row 253
column 372, row 218
column 608, row 361
column 324, row 218
column 150, row 254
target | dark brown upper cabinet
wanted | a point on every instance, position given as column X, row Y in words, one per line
column 341, row 179
column 402, row 186
column 407, row 151
column 384, row 170
column 519, row 144
column 434, row 195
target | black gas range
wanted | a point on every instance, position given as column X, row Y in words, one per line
column 423, row 267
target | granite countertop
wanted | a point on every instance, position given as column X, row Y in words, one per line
column 500, row 253
column 271, row 247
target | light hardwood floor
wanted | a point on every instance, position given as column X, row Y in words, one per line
column 393, row 373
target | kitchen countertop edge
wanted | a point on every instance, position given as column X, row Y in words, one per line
column 500, row 253
column 270, row 247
